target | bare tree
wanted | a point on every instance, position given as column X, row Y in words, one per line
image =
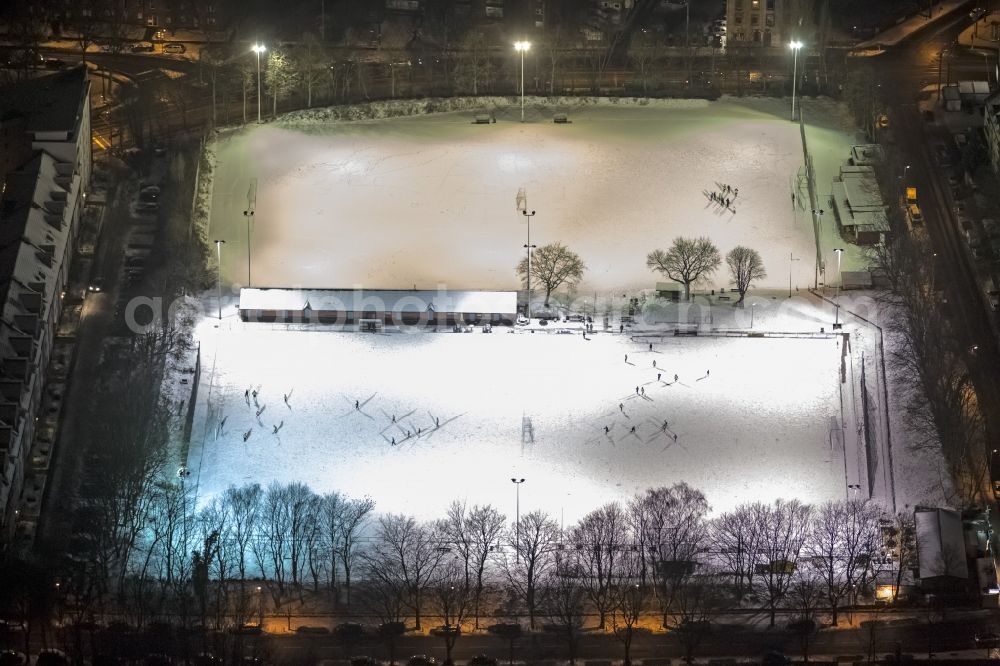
column 534, row 540
column 310, row 64
column 805, row 595
column 687, row 261
column 353, row 522
column 745, row 267
column 738, row 536
column 563, row 599
column 452, row 597
column 243, row 505
column 279, row 78
column 601, row 538
column 674, row 532
column 553, row 265
column 784, row 528
column 407, row 554
column 843, row 541
column 475, row 67
column 273, row 544
column 696, row 600
column 475, row 534
column 630, row 602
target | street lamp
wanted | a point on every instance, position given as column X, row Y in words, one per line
column 753, row 306
column 258, row 49
column 517, row 521
column 522, row 47
column 248, row 214
column 791, row 258
column 218, row 278
column 795, row 45
column 840, row 281
column 529, row 247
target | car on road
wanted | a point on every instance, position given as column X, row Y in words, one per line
column 522, row 320
column 96, row 285
column 174, row 47
column 318, row 631
column 977, row 13
column 364, row 661
column 142, row 48
column 54, row 63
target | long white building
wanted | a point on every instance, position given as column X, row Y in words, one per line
column 40, row 206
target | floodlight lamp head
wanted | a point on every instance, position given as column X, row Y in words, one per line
column 795, row 45
column 258, row 48
column 522, row 46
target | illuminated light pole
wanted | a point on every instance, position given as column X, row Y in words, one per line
column 795, row 45
column 258, row 49
column 218, row 278
column 249, row 213
column 840, row 281
column 522, row 47
column 517, row 521
column 529, row 247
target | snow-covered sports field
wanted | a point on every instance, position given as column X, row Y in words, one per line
column 752, row 417
column 429, row 200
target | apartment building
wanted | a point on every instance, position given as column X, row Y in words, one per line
column 40, row 206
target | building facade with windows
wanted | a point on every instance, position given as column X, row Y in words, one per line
column 40, row 206
column 769, row 22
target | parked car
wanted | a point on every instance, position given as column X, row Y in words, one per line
column 305, row 629
column 246, row 629
column 421, row 660
column 174, row 47
column 54, row 63
column 482, row 660
column 522, row 320
column 364, row 661
column 141, row 48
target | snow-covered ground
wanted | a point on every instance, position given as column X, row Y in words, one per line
column 429, row 200
column 753, row 417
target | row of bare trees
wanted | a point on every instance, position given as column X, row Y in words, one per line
column 932, row 356
column 660, row 547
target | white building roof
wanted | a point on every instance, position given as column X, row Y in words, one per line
column 379, row 300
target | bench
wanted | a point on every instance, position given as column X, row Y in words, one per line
column 481, row 119
column 725, row 298
column 560, row 119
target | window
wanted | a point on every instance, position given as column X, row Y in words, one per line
column 739, row 5
column 754, row 19
column 738, row 18
column 769, row 20
column 770, row 5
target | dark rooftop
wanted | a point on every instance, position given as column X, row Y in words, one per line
column 50, row 103
column 18, row 195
